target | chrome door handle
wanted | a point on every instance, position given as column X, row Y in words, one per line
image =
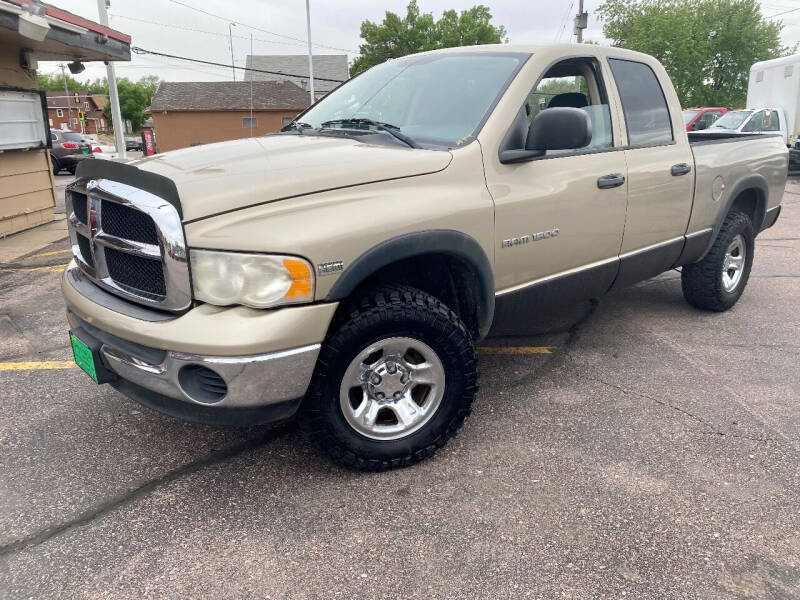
column 680, row 169
column 610, row 181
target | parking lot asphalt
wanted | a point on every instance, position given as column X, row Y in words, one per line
column 654, row 452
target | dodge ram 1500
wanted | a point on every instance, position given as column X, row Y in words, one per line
column 344, row 268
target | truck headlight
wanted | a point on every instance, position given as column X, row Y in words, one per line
column 257, row 280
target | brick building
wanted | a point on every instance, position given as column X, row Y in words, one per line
column 59, row 106
column 192, row 113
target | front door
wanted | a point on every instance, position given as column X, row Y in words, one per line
column 561, row 217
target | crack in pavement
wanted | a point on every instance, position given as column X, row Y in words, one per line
column 712, row 429
column 107, row 507
column 658, row 401
column 559, row 358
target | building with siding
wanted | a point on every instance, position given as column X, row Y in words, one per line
column 326, row 67
column 27, row 194
column 61, row 105
column 193, row 113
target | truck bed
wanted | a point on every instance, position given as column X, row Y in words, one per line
column 722, row 159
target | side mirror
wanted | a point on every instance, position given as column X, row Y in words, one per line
column 559, row 128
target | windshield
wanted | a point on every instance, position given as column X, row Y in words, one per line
column 71, row 136
column 688, row 115
column 436, row 100
column 731, row 120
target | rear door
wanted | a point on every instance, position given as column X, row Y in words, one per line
column 660, row 172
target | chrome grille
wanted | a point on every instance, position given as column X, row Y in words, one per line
column 129, row 242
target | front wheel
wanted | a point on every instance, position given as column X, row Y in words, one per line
column 394, row 381
column 716, row 282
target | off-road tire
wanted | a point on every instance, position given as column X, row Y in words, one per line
column 702, row 281
column 389, row 311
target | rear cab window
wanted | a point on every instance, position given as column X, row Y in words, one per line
column 644, row 105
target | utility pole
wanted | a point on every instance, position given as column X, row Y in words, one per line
column 230, row 34
column 66, row 93
column 581, row 20
column 116, row 116
column 310, row 62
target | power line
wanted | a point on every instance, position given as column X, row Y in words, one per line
column 203, row 31
column 569, row 12
column 227, row 20
column 138, row 50
column 783, row 13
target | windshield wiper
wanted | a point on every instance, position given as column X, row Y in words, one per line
column 392, row 130
column 296, row 126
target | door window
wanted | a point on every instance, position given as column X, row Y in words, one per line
column 577, row 84
column 709, row 117
column 771, row 121
column 756, row 123
column 643, row 102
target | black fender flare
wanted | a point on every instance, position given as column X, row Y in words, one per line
column 432, row 241
column 755, row 182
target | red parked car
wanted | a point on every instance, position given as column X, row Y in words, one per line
column 697, row 119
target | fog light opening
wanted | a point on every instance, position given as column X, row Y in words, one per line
column 202, row 384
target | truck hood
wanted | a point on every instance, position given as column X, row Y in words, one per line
column 217, row 178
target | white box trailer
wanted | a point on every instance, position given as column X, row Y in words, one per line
column 776, row 83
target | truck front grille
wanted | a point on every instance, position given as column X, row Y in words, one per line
column 141, row 276
column 129, row 242
column 128, row 223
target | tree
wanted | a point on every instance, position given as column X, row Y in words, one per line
column 706, row 46
column 134, row 98
column 417, row 32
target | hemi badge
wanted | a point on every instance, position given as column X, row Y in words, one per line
column 329, row 268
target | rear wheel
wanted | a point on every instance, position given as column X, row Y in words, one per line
column 394, row 381
column 56, row 165
column 716, row 282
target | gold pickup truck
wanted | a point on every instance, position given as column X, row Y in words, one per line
column 344, row 268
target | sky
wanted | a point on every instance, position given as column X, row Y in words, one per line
column 181, row 27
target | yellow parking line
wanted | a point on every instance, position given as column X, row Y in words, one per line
column 515, row 350
column 37, row 365
column 51, row 253
column 51, row 268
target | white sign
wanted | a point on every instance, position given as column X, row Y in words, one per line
column 23, row 124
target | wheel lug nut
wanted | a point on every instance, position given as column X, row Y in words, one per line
column 376, row 380
column 379, row 395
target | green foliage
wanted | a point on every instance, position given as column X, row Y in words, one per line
column 134, row 96
column 418, row 32
column 548, row 88
column 706, row 46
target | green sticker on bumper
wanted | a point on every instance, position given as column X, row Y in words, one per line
column 83, row 357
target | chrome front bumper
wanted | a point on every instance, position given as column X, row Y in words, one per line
column 249, row 381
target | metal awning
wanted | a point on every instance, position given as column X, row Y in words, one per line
column 70, row 36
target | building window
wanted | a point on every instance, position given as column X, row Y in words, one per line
column 74, row 120
column 249, row 122
column 59, row 112
column 86, row 105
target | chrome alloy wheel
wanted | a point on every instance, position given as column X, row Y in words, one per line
column 392, row 388
column 733, row 264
